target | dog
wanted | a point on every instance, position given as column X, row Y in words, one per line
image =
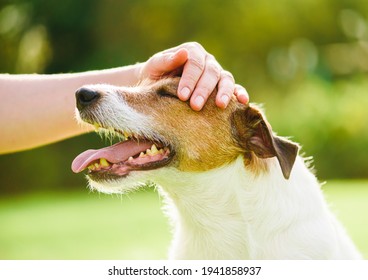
column 233, row 189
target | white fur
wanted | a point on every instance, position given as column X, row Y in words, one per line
column 228, row 213
column 231, row 213
column 113, row 113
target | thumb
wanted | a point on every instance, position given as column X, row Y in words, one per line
column 166, row 62
column 178, row 59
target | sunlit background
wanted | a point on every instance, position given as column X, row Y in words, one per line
column 305, row 60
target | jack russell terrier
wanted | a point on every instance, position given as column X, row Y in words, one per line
column 232, row 188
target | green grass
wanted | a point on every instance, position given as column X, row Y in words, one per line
column 349, row 201
column 83, row 226
column 93, row 226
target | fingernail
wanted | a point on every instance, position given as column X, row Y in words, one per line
column 198, row 102
column 185, row 93
column 225, row 100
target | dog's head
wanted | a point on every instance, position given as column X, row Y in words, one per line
column 160, row 131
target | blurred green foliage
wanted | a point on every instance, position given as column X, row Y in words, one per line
column 306, row 60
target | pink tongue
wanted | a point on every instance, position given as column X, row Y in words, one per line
column 114, row 154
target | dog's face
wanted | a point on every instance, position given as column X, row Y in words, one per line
column 160, row 131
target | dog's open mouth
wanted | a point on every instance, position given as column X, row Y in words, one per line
column 133, row 154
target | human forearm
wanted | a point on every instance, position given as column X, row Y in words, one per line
column 39, row 109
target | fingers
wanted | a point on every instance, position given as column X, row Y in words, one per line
column 192, row 72
column 163, row 63
column 200, row 74
column 226, row 88
column 206, row 84
column 241, row 94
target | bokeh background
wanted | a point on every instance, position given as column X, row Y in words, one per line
column 305, row 60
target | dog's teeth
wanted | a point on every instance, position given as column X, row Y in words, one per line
column 154, row 150
column 142, row 155
column 161, row 151
column 104, row 162
column 148, row 152
column 130, row 158
column 93, row 166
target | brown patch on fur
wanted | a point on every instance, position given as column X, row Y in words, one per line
column 212, row 137
column 202, row 140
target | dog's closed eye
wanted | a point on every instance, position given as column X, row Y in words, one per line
column 164, row 92
column 168, row 89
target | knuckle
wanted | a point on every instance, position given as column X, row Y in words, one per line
column 195, row 45
column 240, row 90
column 227, row 75
column 214, row 68
column 211, row 57
column 196, row 62
column 239, row 87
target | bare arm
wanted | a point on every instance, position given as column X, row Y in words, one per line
column 39, row 109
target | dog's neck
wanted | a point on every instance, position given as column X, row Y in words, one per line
column 204, row 208
column 214, row 212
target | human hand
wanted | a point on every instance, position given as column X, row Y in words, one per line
column 200, row 74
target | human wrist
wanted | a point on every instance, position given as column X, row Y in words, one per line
column 138, row 71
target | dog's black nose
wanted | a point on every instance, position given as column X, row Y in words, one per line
column 86, row 97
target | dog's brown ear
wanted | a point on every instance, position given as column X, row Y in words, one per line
column 255, row 134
